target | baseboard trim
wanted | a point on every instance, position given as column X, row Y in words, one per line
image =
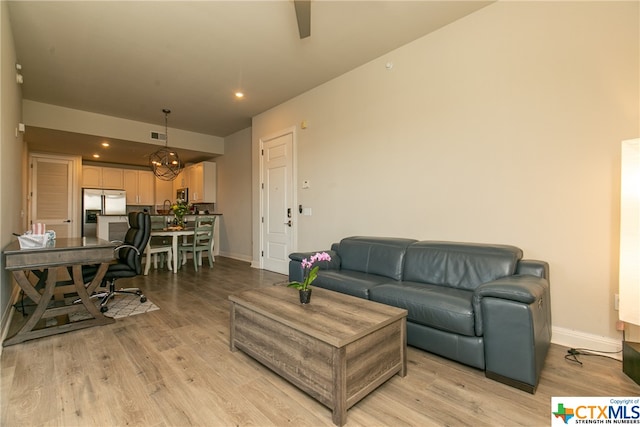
column 597, row 344
column 239, row 257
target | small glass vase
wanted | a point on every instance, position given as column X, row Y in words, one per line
column 305, row 296
column 180, row 221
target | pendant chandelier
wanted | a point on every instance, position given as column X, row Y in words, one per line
column 165, row 163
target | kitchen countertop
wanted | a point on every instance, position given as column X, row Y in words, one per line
column 169, row 214
column 189, row 214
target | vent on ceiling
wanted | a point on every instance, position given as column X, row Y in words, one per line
column 157, row 136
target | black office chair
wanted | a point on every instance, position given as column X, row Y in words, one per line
column 128, row 260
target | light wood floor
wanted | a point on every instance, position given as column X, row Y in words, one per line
column 173, row 367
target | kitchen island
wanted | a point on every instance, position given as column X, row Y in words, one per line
column 114, row 227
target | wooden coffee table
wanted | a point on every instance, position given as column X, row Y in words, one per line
column 337, row 349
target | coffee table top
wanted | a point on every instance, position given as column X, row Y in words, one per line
column 332, row 317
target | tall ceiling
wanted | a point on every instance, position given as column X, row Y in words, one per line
column 131, row 59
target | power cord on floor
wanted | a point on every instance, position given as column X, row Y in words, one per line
column 573, row 353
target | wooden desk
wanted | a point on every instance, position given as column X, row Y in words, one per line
column 174, row 241
column 45, row 263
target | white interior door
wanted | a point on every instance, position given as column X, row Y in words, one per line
column 278, row 227
column 52, row 198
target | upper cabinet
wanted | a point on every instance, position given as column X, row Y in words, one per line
column 139, row 186
column 100, row 177
column 200, row 179
column 202, row 182
column 181, row 181
column 164, row 191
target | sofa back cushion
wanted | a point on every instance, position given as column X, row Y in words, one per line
column 459, row 265
column 383, row 256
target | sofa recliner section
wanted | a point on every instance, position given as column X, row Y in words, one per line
column 478, row 304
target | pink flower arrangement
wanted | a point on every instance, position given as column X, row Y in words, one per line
column 310, row 271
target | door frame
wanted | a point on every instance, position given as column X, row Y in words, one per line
column 262, row 220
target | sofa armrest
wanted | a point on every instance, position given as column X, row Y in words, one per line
column 513, row 315
column 521, row 288
column 533, row 267
column 525, row 289
column 296, row 273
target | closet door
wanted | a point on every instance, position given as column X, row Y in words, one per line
column 52, row 190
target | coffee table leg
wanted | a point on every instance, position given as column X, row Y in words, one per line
column 339, row 415
column 232, row 318
column 403, row 347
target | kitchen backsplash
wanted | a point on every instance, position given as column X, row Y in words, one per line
column 137, row 208
column 198, row 207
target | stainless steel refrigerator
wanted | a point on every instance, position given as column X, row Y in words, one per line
column 100, row 202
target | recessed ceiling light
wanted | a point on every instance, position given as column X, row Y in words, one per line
column 105, row 144
column 239, row 94
column 95, row 156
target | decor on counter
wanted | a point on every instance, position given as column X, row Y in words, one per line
column 166, row 207
column 180, row 208
column 165, row 163
column 310, row 274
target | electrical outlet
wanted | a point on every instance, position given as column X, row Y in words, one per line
column 616, row 302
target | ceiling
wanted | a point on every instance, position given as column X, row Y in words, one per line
column 131, row 59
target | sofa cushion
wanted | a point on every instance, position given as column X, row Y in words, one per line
column 446, row 309
column 383, row 256
column 349, row 282
column 459, row 265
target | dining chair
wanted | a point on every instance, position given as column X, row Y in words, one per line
column 158, row 246
column 202, row 241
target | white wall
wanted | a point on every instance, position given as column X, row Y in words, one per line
column 12, row 157
column 49, row 116
column 503, row 127
column 234, row 196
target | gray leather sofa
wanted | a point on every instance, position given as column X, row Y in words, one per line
column 478, row 304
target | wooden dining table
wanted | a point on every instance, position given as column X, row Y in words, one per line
column 175, row 234
column 47, row 274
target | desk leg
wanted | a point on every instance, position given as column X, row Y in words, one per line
column 43, row 311
column 43, row 302
column 85, row 293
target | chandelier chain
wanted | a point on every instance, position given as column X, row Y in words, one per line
column 165, row 163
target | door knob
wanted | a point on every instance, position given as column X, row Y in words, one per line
column 288, row 223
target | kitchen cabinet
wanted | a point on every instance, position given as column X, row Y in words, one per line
column 139, row 186
column 101, row 177
column 181, row 181
column 164, row 191
column 202, row 182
